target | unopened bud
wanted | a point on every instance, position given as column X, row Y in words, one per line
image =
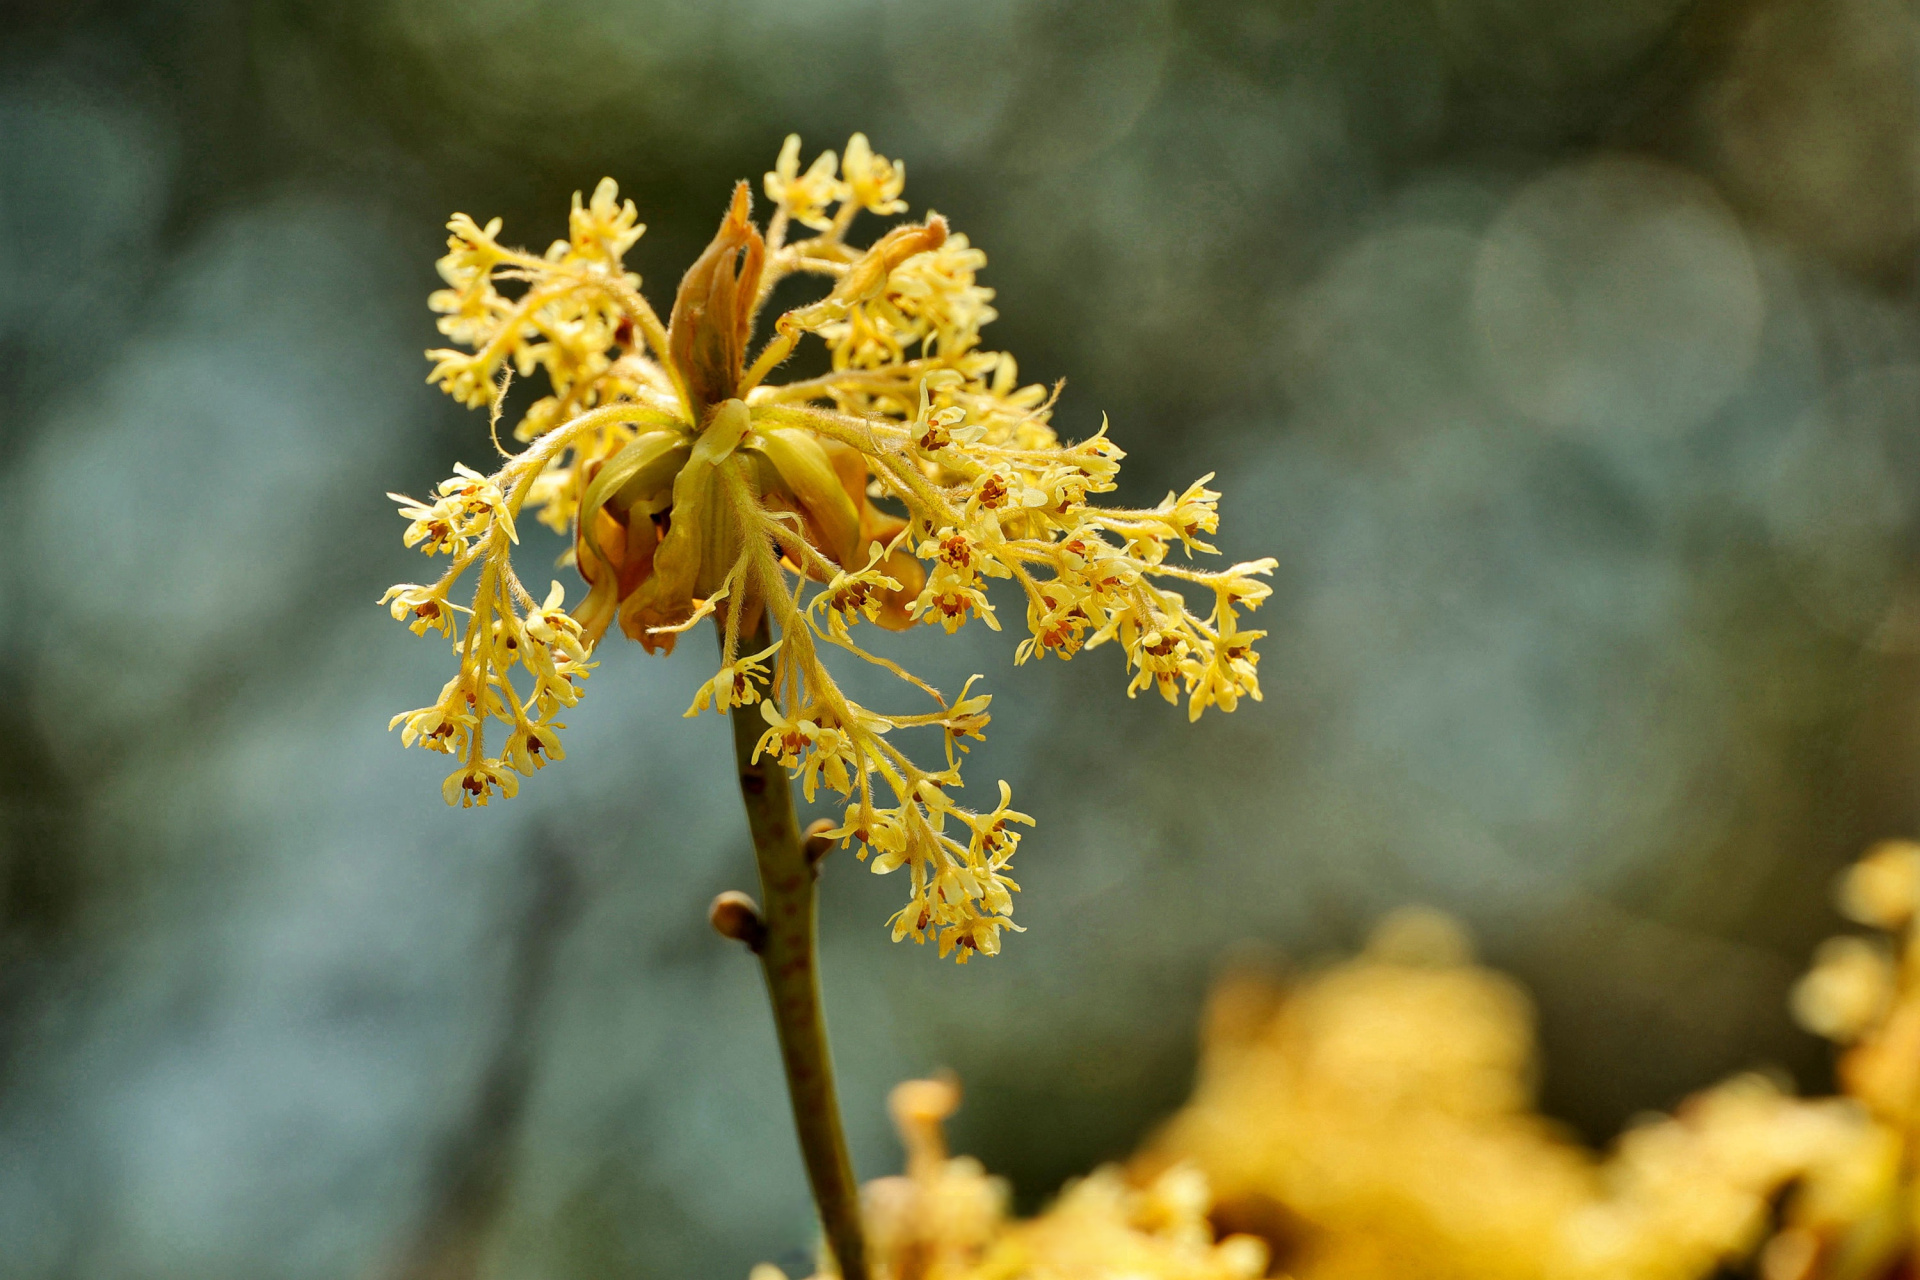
column 735, row 915
column 815, row 843
column 712, row 318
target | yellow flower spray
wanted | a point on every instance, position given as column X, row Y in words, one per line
column 1375, row 1119
column 888, row 490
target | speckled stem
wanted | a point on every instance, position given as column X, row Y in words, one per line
column 787, row 955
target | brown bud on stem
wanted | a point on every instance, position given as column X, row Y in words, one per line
column 735, row 915
column 816, row 843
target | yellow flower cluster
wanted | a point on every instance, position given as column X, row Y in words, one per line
column 894, row 487
column 1864, row 1219
column 946, row 1219
column 1375, row 1121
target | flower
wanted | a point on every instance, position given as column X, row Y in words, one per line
column 804, row 199
column 1382, row 1109
column 471, row 784
column 737, row 684
column 1883, row 888
column 872, row 183
column 420, row 608
column 1847, row 991
column 895, row 488
column 946, row 1217
column 1375, row 1120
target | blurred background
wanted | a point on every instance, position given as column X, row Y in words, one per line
column 1565, row 354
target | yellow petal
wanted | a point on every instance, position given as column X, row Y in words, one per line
column 644, row 468
column 806, row 472
column 702, row 542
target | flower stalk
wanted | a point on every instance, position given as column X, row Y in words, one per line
column 790, row 961
column 888, row 493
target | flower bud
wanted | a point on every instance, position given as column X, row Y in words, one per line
column 735, row 915
column 712, row 315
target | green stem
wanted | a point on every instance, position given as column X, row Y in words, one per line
column 788, row 958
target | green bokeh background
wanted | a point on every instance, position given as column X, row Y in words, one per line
column 1565, row 355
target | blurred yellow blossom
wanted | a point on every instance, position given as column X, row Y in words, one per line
column 946, row 1219
column 1861, row 1221
column 1847, row 991
column 1883, row 888
column 898, row 484
column 1374, row 1120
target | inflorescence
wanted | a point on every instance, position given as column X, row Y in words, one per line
column 888, row 490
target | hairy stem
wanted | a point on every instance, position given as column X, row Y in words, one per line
column 787, row 956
